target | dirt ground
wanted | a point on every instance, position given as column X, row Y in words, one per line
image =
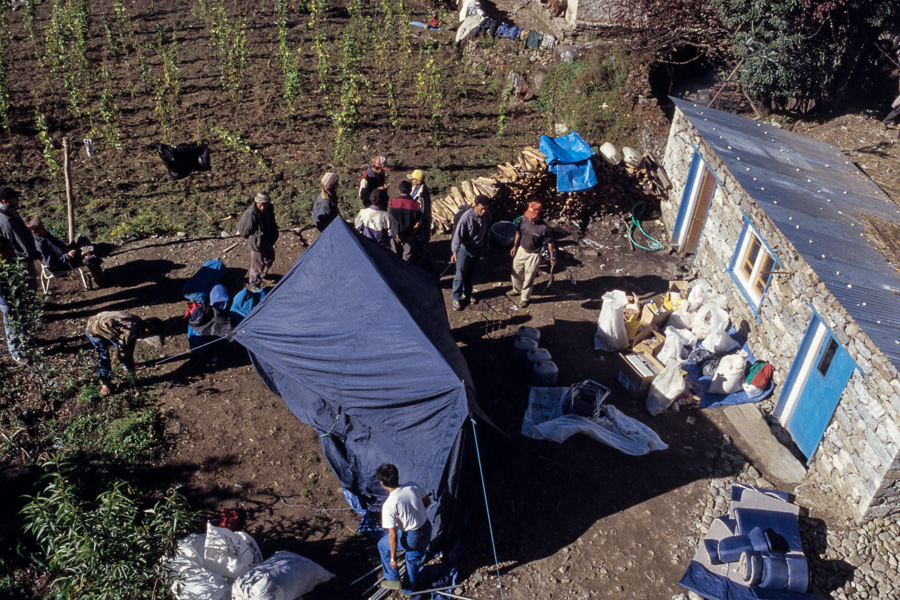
column 576, row 520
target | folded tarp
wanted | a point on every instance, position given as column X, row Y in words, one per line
column 569, row 157
column 199, row 286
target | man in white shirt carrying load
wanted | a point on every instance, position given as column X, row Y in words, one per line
column 403, row 516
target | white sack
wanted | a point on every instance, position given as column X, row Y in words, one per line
column 701, row 293
column 193, row 581
column 718, row 341
column 676, row 339
column 666, row 388
column 611, row 335
column 680, row 319
column 730, row 374
column 709, row 318
column 285, row 576
column 751, row 390
column 230, row 553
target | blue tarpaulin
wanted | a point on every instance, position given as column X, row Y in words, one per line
column 570, row 158
column 198, row 287
column 357, row 343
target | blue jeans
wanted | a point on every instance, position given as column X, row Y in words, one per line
column 466, row 266
column 13, row 343
column 415, row 543
column 102, row 346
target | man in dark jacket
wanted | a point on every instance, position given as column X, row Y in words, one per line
column 374, row 178
column 57, row 256
column 325, row 208
column 258, row 227
column 405, row 209
column 13, row 228
column 470, row 239
column 13, row 342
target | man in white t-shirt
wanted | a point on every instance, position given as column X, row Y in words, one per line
column 403, row 516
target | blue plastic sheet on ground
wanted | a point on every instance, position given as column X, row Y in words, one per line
column 569, row 157
column 709, row 585
column 198, row 287
column 708, row 400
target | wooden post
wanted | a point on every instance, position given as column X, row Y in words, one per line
column 70, row 202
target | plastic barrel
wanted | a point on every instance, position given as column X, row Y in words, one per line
column 544, row 374
column 731, row 548
column 775, row 575
column 529, row 332
column 521, row 348
column 537, row 355
column 750, row 568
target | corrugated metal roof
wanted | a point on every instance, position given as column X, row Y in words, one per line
column 817, row 198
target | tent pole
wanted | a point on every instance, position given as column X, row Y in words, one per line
column 488, row 511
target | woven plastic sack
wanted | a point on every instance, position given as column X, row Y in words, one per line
column 230, row 553
column 285, row 576
column 730, row 374
column 666, row 388
column 676, row 340
column 711, row 317
column 193, row 581
column 611, row 335
column 701, row 293
column 718, row 341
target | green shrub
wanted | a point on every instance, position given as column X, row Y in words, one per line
column 109, row 547
column 589, row 96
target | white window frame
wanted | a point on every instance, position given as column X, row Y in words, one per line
column 746, row 284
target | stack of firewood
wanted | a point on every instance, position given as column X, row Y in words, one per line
column 517, row 183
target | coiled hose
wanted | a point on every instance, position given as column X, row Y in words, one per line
column 636, row 211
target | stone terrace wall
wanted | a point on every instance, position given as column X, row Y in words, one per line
column 859, row 456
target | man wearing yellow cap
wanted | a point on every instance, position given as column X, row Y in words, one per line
column 533, row 233
column 422, row 195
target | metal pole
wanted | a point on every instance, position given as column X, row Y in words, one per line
column 70, row 203
column 366, row 575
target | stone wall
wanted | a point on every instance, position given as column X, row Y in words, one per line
column 859, row 455
column 589, row 12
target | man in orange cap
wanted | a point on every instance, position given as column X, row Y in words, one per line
column 533, row 233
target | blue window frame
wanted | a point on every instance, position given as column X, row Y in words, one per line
column 699, row 188
column 752, row 265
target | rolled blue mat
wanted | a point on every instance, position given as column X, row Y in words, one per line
column 750, row 568
column 731, row 548
column 798, row 574
column 758, row 540
column 775, row 574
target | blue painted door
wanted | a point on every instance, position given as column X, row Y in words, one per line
column 828, row 376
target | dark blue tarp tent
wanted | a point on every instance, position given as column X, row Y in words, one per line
column 357, row 343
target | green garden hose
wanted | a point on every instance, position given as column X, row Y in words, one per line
column 636, row 211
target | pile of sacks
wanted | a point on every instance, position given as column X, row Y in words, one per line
column 223, row 564
column 694, row 322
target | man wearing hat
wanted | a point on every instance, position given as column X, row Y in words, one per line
column 13, row 228
column 533, row 233
column 325, row 208
column 374, row 178
column 422, row 195
column 258, row 227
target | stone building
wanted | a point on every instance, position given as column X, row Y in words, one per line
column 801, row 242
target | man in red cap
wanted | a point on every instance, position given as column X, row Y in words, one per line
column 533, row 233
column 375, row 177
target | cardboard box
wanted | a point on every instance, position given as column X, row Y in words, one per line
column 637, row 372
column 648, row 342
column 678, row 293
column 654, row 314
